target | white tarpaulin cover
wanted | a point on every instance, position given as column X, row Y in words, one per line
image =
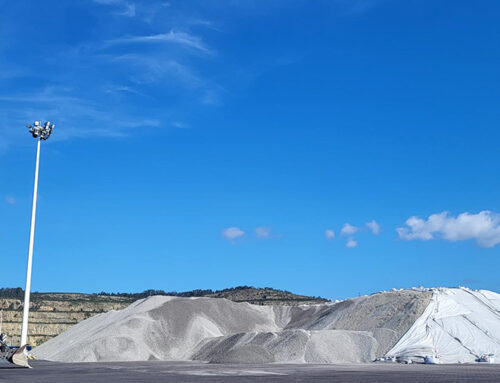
column 459, row 326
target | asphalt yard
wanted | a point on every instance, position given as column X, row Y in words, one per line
column 157, row 371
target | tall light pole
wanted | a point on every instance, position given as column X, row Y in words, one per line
column 40, row 132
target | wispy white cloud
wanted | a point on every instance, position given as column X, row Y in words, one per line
column 152, row 10
column 211, row 97
column 351, row 243
column 266, row 232
column 60, row 106
column 175, row 37
column 153, row 69
column 263, row 231
column 374, row 227
column 105, row 116
column 126, row 8
column 232, row 233
column 121, row 89
column 47, row 95
column 180, row 125
column 483, row 227
column 329, row 234
column 10, row 200
column 348, row 229
column 128, row 11
column 204, row 23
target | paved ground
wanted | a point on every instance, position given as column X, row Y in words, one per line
column 157, row 372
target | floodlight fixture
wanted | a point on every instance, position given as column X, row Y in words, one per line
column 41, row 132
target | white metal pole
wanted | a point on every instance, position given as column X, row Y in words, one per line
column 24, row 330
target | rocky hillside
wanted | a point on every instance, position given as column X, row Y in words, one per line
column 53, row 313
column 265, row 296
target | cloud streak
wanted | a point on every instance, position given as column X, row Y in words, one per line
column 483, row 227
column 127, row 8
column 153, row 69
column 65, row 110
column 174, row 37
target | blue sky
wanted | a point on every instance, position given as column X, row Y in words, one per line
column 209, row 144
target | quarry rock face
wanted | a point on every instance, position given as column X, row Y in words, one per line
column 53, row 314
column 218, row 330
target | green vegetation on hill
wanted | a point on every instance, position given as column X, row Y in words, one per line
column 239, row 293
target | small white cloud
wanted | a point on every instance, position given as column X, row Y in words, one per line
column 483, row 227
column 179, row 125
column 211, row 97
column 348, row 229
column 329, row 234
column 263, row 232
column 10, row 200
column 351, row 243
column 232, row 233
column 374, row 227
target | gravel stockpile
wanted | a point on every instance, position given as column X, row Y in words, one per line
column 296, row 346
column 386, row 315
column 222, row 331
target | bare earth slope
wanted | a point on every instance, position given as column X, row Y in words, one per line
column 219, row 330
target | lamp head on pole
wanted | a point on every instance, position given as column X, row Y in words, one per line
column 39, row 131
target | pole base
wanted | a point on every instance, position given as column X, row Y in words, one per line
column 20, row 357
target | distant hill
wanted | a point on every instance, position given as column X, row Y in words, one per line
column 255, row 295
column 53, row 313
